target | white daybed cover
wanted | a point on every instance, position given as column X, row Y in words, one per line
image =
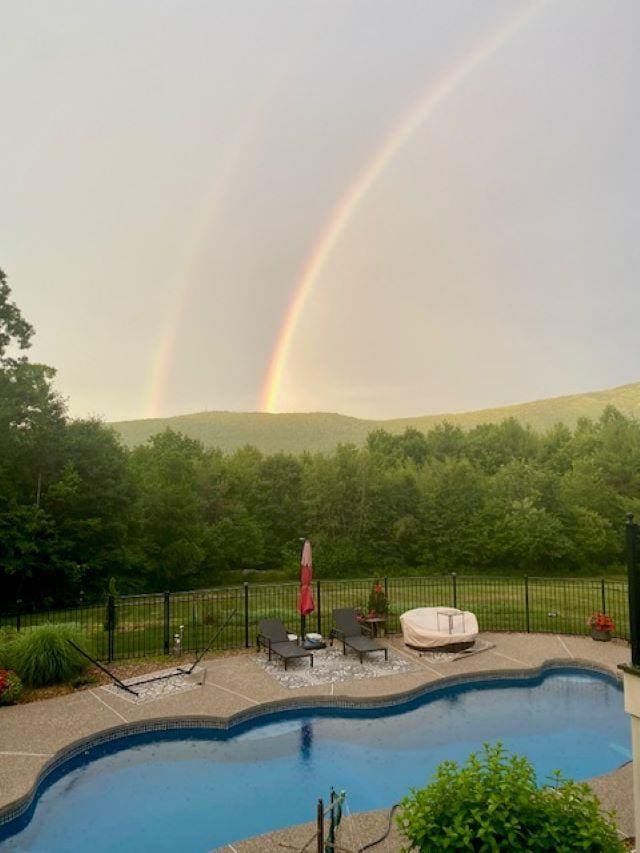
column 430, row 627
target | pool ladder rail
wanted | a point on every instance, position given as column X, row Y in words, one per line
column 337, row 805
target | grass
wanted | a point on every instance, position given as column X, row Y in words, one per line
column 292, row 573
column 43, row 655
column 500, row 603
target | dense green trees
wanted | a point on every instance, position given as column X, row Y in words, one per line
column 77, row 509
column 174, row 515
column 31, row 431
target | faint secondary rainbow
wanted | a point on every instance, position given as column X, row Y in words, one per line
column 346, row 207
column 247, row 135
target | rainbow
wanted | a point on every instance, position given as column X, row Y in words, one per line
column 347, row 206
column 245, row 139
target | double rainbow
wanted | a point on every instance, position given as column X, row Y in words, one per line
column 337, row 222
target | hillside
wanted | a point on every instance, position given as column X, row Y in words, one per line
column 321, row 431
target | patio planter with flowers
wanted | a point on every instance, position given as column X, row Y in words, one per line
column 10, row 687
column 602, row 626
column 377, row 610
column 378, row 604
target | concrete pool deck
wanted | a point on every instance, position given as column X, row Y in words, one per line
column 34, row 735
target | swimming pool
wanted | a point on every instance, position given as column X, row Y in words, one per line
column 193, row 790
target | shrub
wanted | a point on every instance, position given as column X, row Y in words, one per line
column 10, row 687
column 493, row 803
column 43, row 656
column 7, row 637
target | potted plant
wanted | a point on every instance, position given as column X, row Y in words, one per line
column 375, row 612
column 602, row 626
column 378, row 606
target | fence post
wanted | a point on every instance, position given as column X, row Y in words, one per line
column 526, row 602
column 454, row 582
column 167, row 623
column 246, row 615
column 386, row 625
column 18, row 613
column 320, row 826
column 111, row 624
column 319, row 607
column 602, row 593
column 633, row 589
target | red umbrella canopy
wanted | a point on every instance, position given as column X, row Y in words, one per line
column 305, row 602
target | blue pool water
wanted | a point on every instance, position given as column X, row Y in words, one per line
column 195, row 790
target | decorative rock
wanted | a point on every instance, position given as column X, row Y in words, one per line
column 331, row 666
column 177, row 683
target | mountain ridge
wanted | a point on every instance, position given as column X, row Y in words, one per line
column 295, row 432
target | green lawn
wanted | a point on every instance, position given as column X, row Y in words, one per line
column 554, row 605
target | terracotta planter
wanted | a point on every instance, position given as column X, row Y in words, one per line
column 602, row 636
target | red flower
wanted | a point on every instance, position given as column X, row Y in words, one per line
column 601, row 622
column 4, row 680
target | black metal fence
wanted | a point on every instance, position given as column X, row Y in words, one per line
column 135, row 626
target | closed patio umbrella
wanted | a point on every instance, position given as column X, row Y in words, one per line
column 305, row 599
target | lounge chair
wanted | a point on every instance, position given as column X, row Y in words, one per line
column 272, row 635
column 350, row 632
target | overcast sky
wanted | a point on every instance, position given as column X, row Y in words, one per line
column 167, row 168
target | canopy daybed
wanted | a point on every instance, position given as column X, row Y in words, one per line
column 444, row 629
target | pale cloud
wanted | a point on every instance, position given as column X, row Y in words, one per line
column 167, row 168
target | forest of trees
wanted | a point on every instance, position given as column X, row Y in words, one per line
column 79, row 512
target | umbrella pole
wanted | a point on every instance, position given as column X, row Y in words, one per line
column 302, row 625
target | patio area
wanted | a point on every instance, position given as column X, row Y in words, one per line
column 239, row 686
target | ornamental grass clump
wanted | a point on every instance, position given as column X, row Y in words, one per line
column 43, row 655
column 7, row 639
column 493, row 803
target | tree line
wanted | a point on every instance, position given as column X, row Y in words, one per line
column 80, row 514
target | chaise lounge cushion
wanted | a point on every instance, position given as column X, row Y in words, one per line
column 289, row 649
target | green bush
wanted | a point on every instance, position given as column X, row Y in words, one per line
column 43, row 656
column 10, row 687
column 7, row 637
column 493, row 803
